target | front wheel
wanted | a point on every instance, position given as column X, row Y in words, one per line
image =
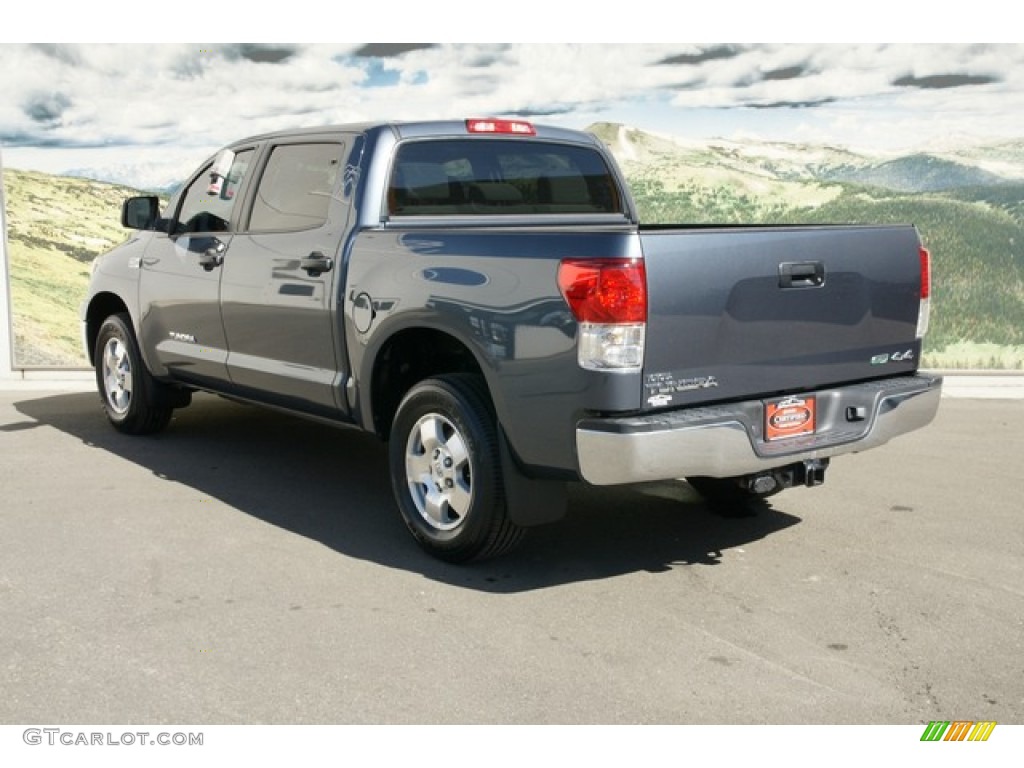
column 446, row 471
column 131, row 397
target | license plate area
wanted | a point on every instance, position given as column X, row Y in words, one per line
column 790, row 417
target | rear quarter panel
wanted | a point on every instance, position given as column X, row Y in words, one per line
column 496, row 291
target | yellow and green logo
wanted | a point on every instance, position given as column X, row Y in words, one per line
column 958, row 730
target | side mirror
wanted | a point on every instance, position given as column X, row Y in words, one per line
column 140, row 212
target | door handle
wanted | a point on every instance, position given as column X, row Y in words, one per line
column 212, row 256
column 316, row 264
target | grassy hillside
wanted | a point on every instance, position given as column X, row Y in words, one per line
column 978, row 260
column 977, row 249
column 55, row 226
column 975, row 232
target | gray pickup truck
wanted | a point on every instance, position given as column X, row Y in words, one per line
column 481, row 295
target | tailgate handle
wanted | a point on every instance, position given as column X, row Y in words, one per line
column 801, row 274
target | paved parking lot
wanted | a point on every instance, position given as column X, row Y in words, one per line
column 249, row 567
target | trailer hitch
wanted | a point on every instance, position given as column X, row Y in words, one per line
column 810, row 473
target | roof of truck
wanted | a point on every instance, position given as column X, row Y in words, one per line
column 427, row 128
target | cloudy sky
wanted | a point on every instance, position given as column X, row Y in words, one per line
column 147, row 114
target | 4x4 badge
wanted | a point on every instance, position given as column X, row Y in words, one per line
column 895, row 357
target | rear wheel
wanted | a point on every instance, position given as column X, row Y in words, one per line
column 134, row 402
column 446, row 470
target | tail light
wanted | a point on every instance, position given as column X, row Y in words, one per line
column 924, row 308
column 608, row 298
column 495, row 125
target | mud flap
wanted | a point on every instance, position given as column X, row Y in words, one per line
column 530, row 501
column 168, row 396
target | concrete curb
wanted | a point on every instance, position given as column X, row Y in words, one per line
column 49, row 380
column 985, row 386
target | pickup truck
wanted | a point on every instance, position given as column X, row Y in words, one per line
column 481, row 295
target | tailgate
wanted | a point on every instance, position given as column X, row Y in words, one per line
column 755, row 312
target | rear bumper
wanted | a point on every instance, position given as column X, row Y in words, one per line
column 726, row 440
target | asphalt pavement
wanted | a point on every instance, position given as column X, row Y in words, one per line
column 249, row 567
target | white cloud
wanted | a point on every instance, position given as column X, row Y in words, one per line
column 186, row 99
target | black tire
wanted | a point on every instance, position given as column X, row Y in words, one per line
column 135, row 403
column 446, row 470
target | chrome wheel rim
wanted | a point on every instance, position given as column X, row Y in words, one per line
column 439, row 472
column 117, row 376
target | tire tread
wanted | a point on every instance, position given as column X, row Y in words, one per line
column 500, row 534
column 144, row 416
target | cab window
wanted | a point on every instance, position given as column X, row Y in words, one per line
column 207, row 206
column 295, row 190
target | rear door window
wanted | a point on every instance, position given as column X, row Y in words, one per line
column 496, row 177
column 296, row 187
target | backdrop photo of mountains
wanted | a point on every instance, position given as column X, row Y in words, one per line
column 967, row 201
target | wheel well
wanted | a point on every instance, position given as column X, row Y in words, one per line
column 407, row 358
column 102, row 306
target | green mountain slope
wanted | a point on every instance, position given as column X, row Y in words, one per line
column 978, row 260
column 977, row 249
column 55, row 226
column 917, row 173
column 975, row 233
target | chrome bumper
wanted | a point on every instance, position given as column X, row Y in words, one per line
column 726, row 440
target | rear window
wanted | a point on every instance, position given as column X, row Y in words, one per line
column 499, row 177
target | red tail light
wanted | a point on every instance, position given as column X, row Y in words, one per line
column 493, row 125
column 924, row 308
column 926, row 273
column 604, row 290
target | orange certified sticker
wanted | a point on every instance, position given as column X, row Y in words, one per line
column 789, row 418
